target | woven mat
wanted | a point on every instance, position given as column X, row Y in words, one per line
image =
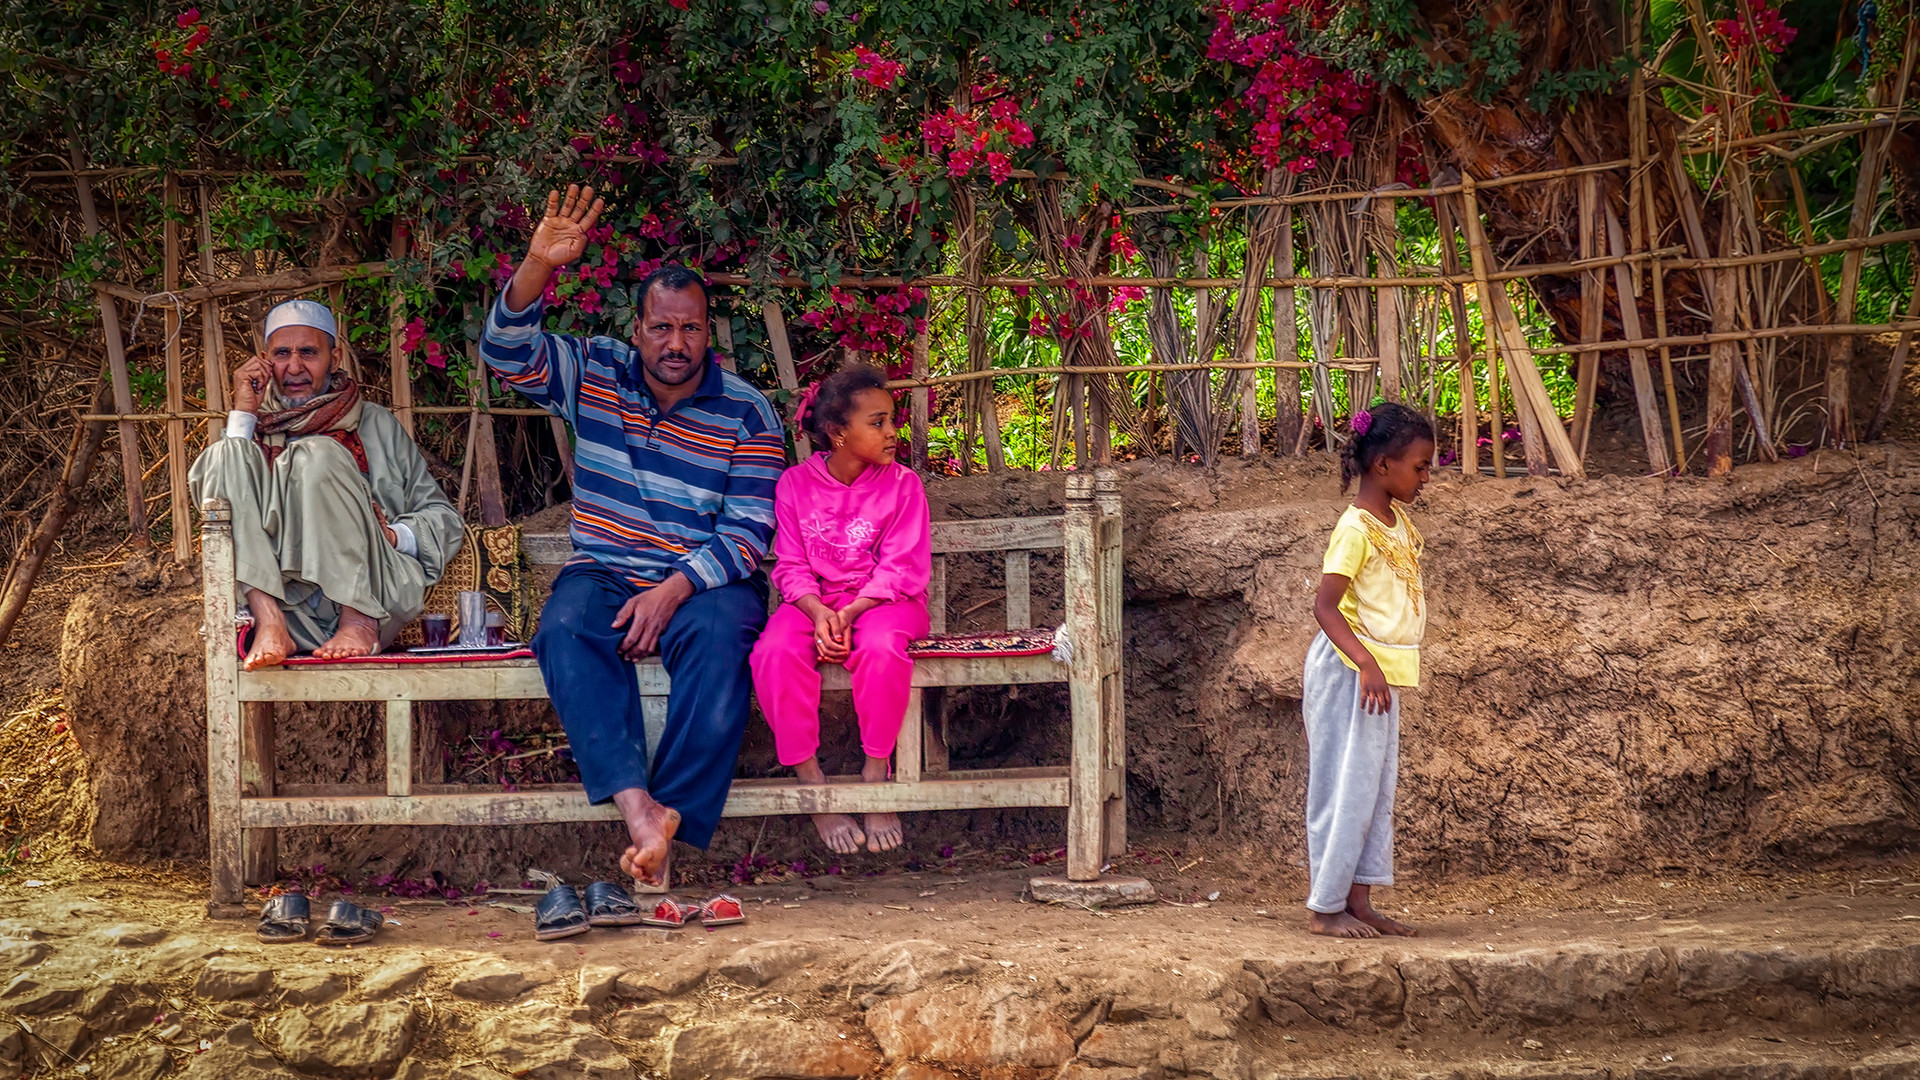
column 985, row 643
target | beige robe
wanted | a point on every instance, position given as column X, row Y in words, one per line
column 304, row 531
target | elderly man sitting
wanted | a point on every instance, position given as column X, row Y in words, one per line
column 338, row 527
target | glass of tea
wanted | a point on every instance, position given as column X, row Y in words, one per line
column 435, row 628
column 496, row 629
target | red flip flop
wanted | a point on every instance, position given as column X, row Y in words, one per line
column 722, row 910
column 670, row 913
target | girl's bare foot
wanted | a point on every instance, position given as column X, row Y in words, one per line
column 358, row 635
column 884, row 832
column 1391, row 927
column 842, row 834
column 1339, row 924
column 651, row 827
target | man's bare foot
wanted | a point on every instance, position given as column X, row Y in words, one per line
column 271, row 646
column 1391, row 927
column 271, row 642
column 840, row 832
column 1339, row 924
column 358, row 635
column 651, row 827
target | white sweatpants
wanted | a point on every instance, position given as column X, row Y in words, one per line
column 1353, row 760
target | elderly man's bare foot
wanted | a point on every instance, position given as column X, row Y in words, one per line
column 1339, row 924
column 358, row 635
column 651, row 827
column 1366, row 913
column 271, row 645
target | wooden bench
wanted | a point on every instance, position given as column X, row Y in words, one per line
column 243, row 797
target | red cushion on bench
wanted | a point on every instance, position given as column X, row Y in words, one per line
column 522, row 652
column 986, row 643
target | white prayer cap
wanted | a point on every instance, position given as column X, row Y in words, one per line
column 301, row 313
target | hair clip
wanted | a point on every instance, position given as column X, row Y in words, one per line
column 1361, row 421
column 803, row 406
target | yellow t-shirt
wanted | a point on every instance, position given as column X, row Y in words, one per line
column 1385, row 602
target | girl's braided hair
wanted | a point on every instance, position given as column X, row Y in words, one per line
column 1386, row 430
column 834, row 400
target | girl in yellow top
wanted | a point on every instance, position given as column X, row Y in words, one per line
column 1372, row 612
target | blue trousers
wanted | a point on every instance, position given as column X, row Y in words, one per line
column 597, row 694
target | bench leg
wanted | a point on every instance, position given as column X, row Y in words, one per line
column 933, row 728
column 1086, row 783
column 260, row 851
column 1114, row 716
column 399, row 749
column 224, row 856
column 907, row 756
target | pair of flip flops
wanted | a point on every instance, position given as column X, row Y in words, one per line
column 285, row 919
column 719, row 910
column 563, row 912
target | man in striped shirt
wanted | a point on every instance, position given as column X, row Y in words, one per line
column 675, row 461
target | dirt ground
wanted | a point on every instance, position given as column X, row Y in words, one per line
column 1798, row 974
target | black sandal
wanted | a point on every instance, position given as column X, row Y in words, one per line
column 284, row 919
column 559, row 915
column 348, row 924
column 610, row 905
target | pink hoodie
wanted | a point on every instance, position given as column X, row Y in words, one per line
column 840, row 541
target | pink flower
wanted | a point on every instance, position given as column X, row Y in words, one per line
column 187, row 18
column 999, row 169
column 436, row 357
column 821, row 7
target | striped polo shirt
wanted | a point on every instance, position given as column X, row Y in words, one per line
column 688, row 488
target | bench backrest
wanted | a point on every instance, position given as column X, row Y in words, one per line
column 1016, row 538
column 1091, row 562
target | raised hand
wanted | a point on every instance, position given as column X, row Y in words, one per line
column 561, row 236
column 250, row 382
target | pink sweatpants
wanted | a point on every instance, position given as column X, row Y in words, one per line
column 787, row 682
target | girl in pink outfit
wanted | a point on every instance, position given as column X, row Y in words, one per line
column 853, row 557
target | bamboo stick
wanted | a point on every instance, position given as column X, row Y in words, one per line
column 1288, row 419
column 1866, row 194
column 283, row 281
column 1657, row 460
column 122, row 385
column 921, row 400
column 1718, row 446
column 88, row 437
column 1386, row 304
column 783, row 368
column 1592, row 297
column 973, row 254
column 399, row 368
column 181, row 518
column 1483, row 292
column 1897, row 365
column 1540, row 427
column 1637, row 222
column 1356, row 282
column 213, row 341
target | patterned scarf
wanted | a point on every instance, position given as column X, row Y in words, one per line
column 334, row 413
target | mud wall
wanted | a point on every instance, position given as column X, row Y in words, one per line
column 1619, row 674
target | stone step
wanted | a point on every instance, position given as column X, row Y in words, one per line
column 1653, row 989
column 1157, row 1050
